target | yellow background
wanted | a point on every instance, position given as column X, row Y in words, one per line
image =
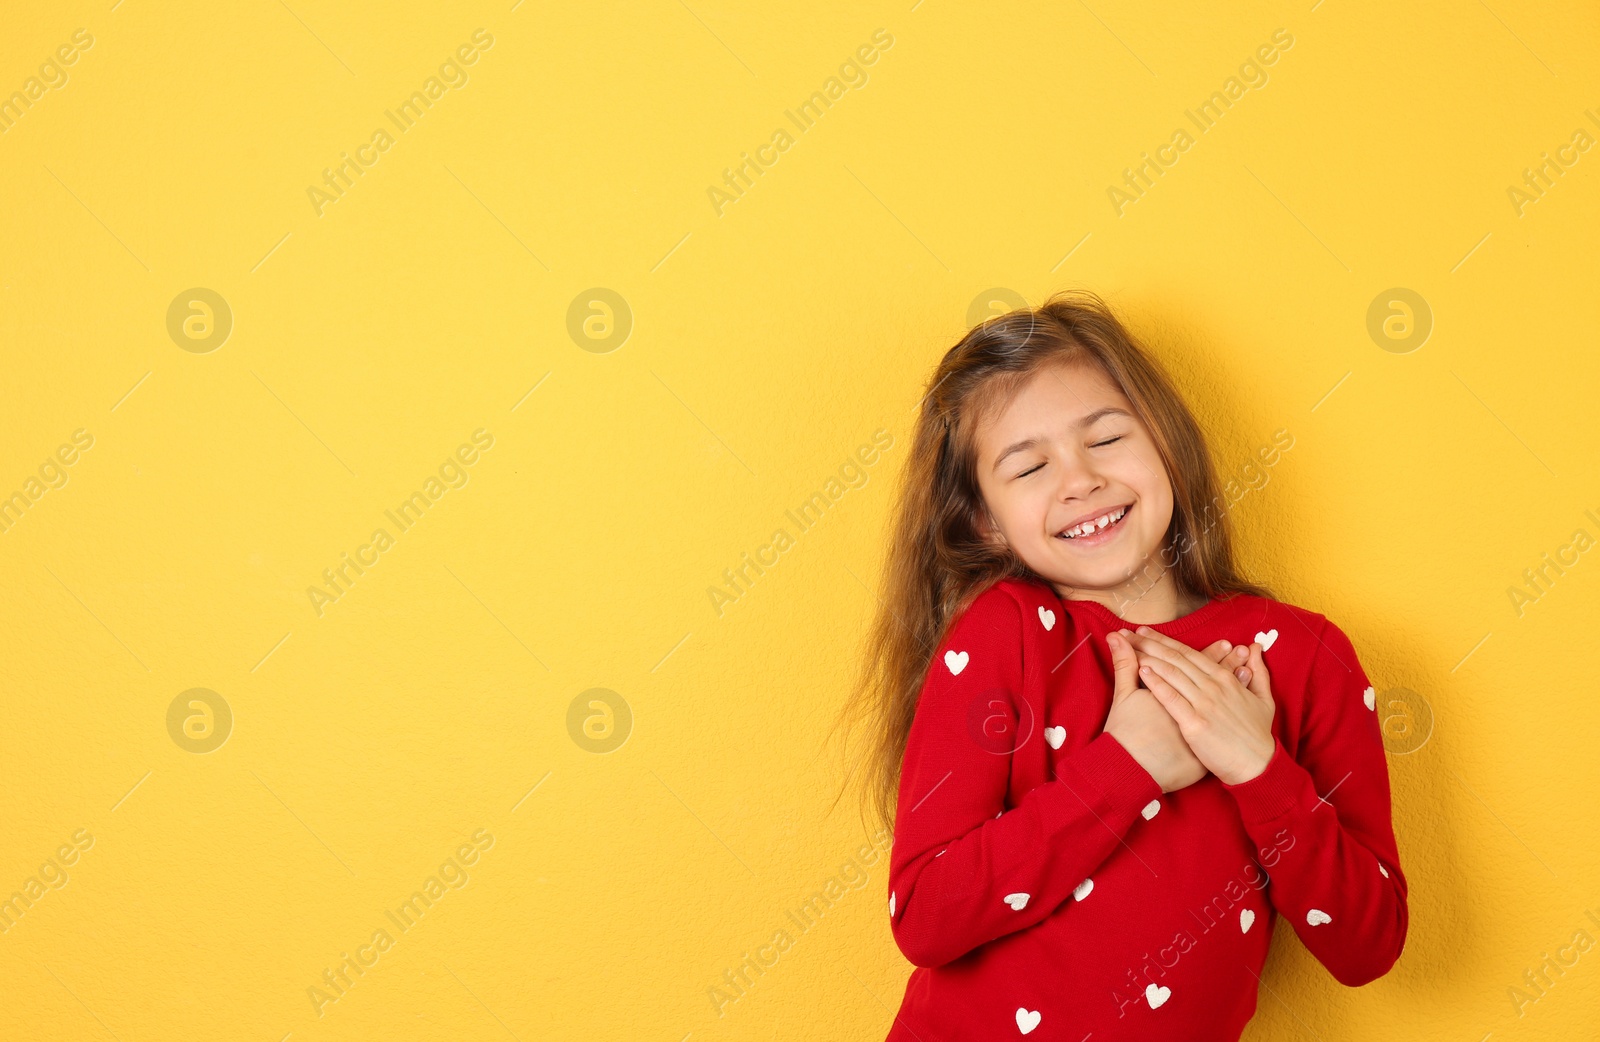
column 767, row 343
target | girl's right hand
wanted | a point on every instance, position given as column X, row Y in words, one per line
column 1144, row 727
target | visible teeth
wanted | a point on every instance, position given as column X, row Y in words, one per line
column 1089, row 527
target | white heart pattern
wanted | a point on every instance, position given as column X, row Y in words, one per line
column 1267, row 639
column 955, row 661
column 1156, row 996
column 1047, row 617
column 1316, row 917
column 1055, row 736
column 1017, row 901
column 1027, row 1020
column 1247, row 919
column 1081, row 891
column 1150, row 810
column 1385, row 871
column 1370, row 697
column 891, row 904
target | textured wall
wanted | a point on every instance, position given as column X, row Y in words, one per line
column 537, row 296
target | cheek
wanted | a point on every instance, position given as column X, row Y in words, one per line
column 1143, row 473
column 1015, row 515
column 1155, row 495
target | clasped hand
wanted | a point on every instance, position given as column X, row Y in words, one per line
column 1181, row 712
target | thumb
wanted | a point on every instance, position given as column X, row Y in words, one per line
column 1125, row 666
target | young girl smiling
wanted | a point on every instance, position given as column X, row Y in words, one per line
column 1087, row 757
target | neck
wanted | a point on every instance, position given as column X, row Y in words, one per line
column 1144, row 599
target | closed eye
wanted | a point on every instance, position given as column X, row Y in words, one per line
column 1095, row 445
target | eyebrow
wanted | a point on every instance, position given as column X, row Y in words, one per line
column 1028, row 443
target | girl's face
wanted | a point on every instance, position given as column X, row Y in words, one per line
column 1066, row 452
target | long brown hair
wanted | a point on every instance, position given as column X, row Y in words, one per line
column 938, row 558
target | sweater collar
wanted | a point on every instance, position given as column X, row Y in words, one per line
column 1108, row 620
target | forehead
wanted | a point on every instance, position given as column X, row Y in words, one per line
column 1055, row 396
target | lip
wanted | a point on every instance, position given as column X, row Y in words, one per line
column 1090, row 517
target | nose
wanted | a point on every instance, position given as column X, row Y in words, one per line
column 1079, row 478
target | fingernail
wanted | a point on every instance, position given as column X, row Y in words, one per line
column 1226, row 646
column 1239, row 673
column 1144, row 669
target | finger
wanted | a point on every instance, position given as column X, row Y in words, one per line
column 1260, row 682
column 1238, row 661
column 1226, row 654
column 1125, row 666
column 1197, row 664
column 1185, row 659
column 1175, row 678
column 1176, row 650
column 1172, row 700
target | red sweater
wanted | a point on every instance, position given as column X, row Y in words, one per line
column 1044, row 885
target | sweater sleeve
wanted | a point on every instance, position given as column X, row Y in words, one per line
column 964, row 869
column 1324, row 815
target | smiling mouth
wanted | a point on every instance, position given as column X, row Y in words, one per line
column 1099, row 526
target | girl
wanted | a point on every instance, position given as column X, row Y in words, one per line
column 1088, row 762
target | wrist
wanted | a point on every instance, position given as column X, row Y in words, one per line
column 1254, row 767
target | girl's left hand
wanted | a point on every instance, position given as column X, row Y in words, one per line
column 1227, row 724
